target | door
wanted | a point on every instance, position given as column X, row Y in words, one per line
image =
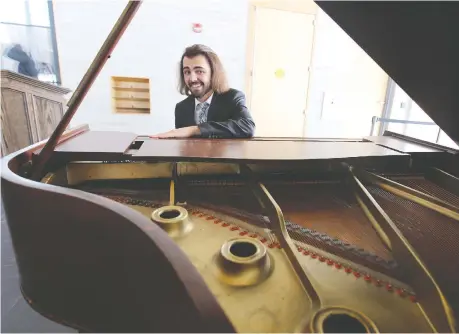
column 282, row 54
column 347, row 87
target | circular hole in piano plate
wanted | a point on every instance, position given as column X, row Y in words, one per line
column 342, row 323
column 243, row 262
column 169, row 214
column 173, row 219
column 342, row 320
column 243, row 249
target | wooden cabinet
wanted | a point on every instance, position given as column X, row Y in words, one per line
column 30, row 110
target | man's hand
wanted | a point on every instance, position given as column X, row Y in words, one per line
column 185, row 132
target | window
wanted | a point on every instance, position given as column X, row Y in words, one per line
column 27, row 40
column 417, row 123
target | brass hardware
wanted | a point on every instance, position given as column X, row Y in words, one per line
column 206, row 168
column 444, row 180
column 341, row 320
column 172, row 193
column 280, row 303
column 431, row 298
column 78, row 172
column 279, row 299
column 281, row 233
column 58, row 178
column 173, row 219
column 48, row 178
column 374, row 222
column 276, row 217
column 443, row 208
column 243, row 262
column 413, row 195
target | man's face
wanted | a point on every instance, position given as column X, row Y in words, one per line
column 197, row 75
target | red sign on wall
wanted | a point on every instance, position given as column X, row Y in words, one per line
column 197, row 27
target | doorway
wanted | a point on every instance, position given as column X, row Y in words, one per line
column 279, row 57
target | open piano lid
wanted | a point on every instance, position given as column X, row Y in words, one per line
column 39, row 230
column 416, row 44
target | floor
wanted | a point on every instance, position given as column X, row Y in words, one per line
column 17, row 315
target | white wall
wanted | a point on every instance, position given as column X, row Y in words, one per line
column 346, row 86
column 151, row 47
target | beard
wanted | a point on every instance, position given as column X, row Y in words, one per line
column 198, row 89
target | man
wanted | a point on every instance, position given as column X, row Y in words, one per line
column 212, row 109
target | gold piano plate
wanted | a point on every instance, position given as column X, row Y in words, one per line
column 279, row 303
column 245, row 261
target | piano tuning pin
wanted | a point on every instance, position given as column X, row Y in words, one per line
column 400, row 292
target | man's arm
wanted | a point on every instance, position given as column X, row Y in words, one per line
column 181, row 130
column 240, row 124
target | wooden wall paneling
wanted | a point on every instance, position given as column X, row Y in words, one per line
column 15, row 120
column 32, row 118
column 50, row 113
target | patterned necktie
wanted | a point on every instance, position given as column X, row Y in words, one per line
column 201, row 112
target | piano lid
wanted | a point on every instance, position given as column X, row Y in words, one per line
column 415, row 43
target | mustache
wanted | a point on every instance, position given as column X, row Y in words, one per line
column 195, row 82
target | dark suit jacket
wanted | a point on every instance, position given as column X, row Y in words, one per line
column 227, row 116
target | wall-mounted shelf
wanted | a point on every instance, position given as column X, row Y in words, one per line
column 130, row 95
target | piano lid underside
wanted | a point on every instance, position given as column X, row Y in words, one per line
column 415, row 43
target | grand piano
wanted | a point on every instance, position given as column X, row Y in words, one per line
column 117, row 232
